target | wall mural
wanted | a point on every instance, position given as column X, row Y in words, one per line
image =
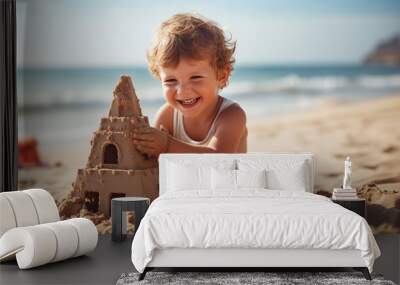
column 75, row 138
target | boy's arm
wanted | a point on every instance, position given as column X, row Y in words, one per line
column 230, row 128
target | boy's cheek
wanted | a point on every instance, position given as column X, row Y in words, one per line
column 170, row 99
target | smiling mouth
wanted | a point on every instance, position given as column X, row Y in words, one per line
column 189, row 102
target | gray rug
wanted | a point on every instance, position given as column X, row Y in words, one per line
column 230, row 278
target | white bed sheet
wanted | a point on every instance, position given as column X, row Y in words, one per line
column 252, row 218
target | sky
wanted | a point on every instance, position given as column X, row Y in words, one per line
column 105, row 33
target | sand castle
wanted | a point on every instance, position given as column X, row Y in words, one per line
column 115, row 168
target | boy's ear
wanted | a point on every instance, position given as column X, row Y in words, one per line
column 224, row 76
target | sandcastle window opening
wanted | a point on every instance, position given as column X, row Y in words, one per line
column 91, row 201
column 110, row 154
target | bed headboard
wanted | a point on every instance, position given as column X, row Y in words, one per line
column 165, row 158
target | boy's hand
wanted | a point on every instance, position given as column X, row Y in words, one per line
column 151, row 141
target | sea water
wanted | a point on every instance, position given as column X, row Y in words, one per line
column 66, row 105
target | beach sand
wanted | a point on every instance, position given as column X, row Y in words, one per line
column 367, row 131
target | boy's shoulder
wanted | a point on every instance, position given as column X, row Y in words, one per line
column 233, row 115
column 232, row 120
column 166, row 109
column 233, row 112
column 164, row 117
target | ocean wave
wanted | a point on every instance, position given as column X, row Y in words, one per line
column 70, row 97
column 376, row 81
column 294, row 84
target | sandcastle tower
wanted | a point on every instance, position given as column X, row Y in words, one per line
column 115, row 168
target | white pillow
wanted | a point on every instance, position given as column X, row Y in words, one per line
column 186, row 174
column 251, row 178
column 223, row 179
column 285, row 174
column 227, row 179
column 187, row 177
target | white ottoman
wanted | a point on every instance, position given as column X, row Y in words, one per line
column 31, row 232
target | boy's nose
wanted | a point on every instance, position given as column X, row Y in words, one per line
column 182, row 89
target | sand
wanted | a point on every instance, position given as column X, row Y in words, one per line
column 367, row 131
column 57, row 178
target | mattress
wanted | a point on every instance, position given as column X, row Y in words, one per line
column 250, row 219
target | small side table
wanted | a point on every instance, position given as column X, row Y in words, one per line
column 357, row 206
column 119, row 207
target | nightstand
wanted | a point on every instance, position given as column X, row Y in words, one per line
column 357, row 206
column 119, row 207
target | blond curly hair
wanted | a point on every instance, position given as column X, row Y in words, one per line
column 190, row 36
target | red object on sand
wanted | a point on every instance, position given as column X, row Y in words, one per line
column 28, row 154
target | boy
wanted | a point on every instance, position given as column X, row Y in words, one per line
column 193, row 60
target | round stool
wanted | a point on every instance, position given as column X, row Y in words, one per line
column 119, row 207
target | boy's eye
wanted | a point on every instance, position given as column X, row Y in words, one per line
column 196, row 77
column 170, row 82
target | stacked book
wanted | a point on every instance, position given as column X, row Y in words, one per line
column 344, row 194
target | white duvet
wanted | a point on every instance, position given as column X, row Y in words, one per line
column 250, row 219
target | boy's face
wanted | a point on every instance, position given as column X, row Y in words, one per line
column 192, row 86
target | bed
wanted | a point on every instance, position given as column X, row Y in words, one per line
column 247, row 210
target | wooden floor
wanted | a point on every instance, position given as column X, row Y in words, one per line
column 102, row 266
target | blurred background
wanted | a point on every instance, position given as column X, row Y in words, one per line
column 312, row 76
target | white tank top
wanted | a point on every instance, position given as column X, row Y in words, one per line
column 179, row 129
